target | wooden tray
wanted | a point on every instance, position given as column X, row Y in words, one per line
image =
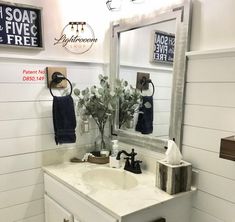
column 98, row 160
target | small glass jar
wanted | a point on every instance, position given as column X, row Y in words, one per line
column 103, row 144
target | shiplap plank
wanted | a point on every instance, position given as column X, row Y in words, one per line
column 21, row 145
column 21, row 195
column 34, row 160
column 218, row 118
column 29, row 127
column 162, row 105
column 14, row 72
column 158, row 77
column 216, row 185
column 23, row 92
column 30, row 110
column 161, row 79
column 214, row 206
column 158, row 129
column 20, row 162
column 85, row 75
column 161, row 130
column 211, row 70
column 37, row 218
column 30, row 92
column 217, row 94
column 209, row 161
column 201, row 216
column 208, row 139
column 20, row 179
column 21, row 211
column 26, row 127
column 29, row 144
column 160, row 93
column 161, row 118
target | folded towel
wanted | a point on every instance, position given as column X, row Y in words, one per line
column 145, row 118
column 64, row 119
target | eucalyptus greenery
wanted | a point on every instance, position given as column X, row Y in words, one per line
column 129, row 101
column 100, row 103
column 97, row 102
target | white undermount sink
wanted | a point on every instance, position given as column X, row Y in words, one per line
column 109, row 178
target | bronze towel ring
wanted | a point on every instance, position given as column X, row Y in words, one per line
column 57, row 77
column 145, row 81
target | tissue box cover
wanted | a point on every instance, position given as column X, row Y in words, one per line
column 173, row 178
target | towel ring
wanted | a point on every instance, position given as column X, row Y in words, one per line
column 57, row 77
column 144, row 81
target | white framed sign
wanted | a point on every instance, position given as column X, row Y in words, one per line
column 20, row 25
column 164, row 46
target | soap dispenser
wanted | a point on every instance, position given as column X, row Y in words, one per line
column 115, row 148
column 113, row 162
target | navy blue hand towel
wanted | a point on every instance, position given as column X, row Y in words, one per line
column 145, row 118
column 64, row 119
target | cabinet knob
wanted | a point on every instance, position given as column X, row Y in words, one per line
column 65, row 220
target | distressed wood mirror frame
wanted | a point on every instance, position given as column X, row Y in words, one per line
column 182, row 15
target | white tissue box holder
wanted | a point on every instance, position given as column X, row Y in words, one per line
column 173, row 178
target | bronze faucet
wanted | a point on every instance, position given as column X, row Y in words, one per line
column 131, row 164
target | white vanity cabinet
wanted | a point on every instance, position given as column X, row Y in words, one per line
column 70, row 197
column 59, row 196
column 56, row 213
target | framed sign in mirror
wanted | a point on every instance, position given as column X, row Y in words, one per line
column 163, row 47
column 132, row 52
column 20, row 25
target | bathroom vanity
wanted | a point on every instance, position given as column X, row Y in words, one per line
column 85, row 192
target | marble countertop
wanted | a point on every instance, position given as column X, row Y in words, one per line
column 117, row 202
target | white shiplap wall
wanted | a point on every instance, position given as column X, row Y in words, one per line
column 27, row 139
column 209, row 108
column 162, row 79
column 210, row 116
column 26, row 131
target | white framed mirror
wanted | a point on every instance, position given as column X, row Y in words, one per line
column 155, row 44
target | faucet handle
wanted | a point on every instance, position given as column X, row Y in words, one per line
column 133, row 152
column 138, row 162
column 127, row 163
column 137, row 166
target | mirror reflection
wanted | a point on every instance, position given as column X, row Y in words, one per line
column 147, row 52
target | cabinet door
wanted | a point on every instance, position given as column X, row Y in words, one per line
column 56, row 213
column 81, row 208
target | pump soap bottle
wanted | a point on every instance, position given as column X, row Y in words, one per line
column 113, row 162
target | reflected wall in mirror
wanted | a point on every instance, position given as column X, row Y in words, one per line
column 132, row 50
column 136, row 53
